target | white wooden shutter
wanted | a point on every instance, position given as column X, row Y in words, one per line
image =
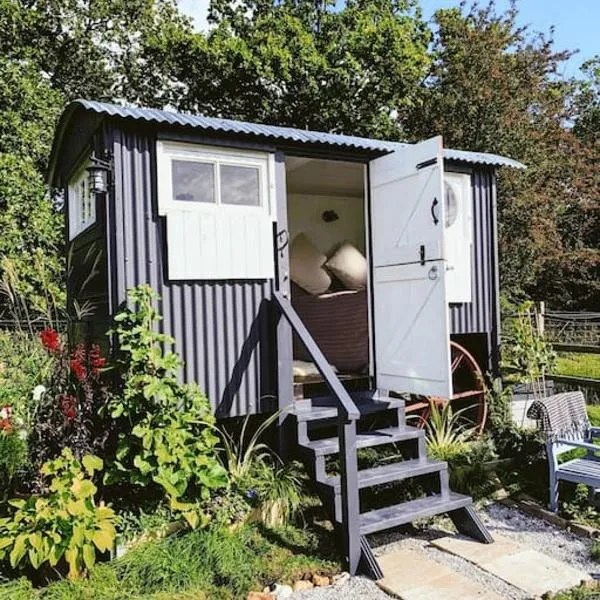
column 217, row 239
column 410, row 309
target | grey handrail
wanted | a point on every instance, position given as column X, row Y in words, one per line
column 348, row 414
column 346, row 403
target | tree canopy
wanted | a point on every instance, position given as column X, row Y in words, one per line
column 369, row 67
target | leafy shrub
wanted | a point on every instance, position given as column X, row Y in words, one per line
column 63, row 524
column 167, row 430
column 215, row 564
column 24, row 365
column 259, row 475
column 13, row 457
column 71, row 414
column 445, row 432
column 524, row 351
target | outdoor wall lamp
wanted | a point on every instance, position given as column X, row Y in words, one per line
column 100, row 172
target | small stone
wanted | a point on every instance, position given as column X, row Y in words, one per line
column 259, row 596
column 282, row 591
column 341, row 579
column 301, row 585
column 266, row 590
column 320, row 580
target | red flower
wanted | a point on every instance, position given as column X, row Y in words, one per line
column 6, row 418
column 95, row 360
column 68, row 406
column 77, row 369
column 50, row 340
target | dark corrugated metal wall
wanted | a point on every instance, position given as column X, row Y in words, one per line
column 221, row 328
column 479, row 316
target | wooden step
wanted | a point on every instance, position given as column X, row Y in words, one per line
column 400, row 514
column 392, row 472
column 325, row 407
column 369, row 439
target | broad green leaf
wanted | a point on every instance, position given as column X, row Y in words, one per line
column 89, row 556
column 92, row 463
column 103, row 540
column 76, row 508
column 5, row 543
column 18, row 551
column 83, row 488
column 72, row 558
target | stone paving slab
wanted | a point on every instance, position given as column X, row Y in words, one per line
column 529, row 570
column 411, row 575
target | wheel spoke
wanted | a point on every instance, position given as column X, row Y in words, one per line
column 456, row 362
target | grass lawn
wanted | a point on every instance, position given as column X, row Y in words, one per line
column 578, row 365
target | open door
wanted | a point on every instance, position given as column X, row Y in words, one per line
column 410, row 308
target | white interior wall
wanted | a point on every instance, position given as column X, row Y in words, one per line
column 305, row 214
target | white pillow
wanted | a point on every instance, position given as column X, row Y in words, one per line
column 349, row 266
column 306, row 266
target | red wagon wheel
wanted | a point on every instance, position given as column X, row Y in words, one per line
column 469, row 390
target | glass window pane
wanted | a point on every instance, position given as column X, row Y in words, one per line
column 193, row 181
column 239, row 185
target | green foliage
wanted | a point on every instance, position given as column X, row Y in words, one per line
column 167, row 429
column 218, row 563
column 494, row 87
column 13, row 459
column 593, row 415
column 577, row 507
column 587, row 103
column 499, row 401
column 24, row 365
column 64, row 524
column 30, row 282
column 259, row 475
column 351, row 68
column 578, row 365
column 446, row 432
column 524, row 351
column 595, row 550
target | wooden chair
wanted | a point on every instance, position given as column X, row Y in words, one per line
column 586, row 469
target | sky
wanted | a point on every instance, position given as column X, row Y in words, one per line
column 577, row 22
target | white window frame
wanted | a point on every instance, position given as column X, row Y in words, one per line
column 460, row 282
column 82, row 211
column 168, row 151
column 217, row 241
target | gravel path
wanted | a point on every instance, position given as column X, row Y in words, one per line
column 509, row 522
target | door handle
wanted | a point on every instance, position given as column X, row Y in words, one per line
column 433, row 211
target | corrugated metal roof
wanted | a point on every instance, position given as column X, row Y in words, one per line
column 289, row 134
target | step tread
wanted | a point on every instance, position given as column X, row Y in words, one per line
column 326, row 407
column 391, row 472
column 400, row 514
column 367, row 439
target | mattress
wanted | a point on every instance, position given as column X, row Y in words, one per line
column 338, row 322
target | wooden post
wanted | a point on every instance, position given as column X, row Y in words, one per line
column 349, row 492
column 285, row 359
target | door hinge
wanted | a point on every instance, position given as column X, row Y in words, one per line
column 422, row 254
column 427, row 163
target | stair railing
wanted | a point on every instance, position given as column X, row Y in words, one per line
column 348, row 415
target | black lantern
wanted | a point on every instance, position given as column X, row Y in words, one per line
column 99, row 174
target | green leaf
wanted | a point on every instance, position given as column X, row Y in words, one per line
column 18, row 551
column 5, row 543
column 72, row 558
column 192, row 518
column 144, row 466
column 83, row 488
column 89, row 556
column 92, row 463
column 103, row 539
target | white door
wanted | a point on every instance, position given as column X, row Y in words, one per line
column 410, row 308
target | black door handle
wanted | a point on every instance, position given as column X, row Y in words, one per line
column 433, row 215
